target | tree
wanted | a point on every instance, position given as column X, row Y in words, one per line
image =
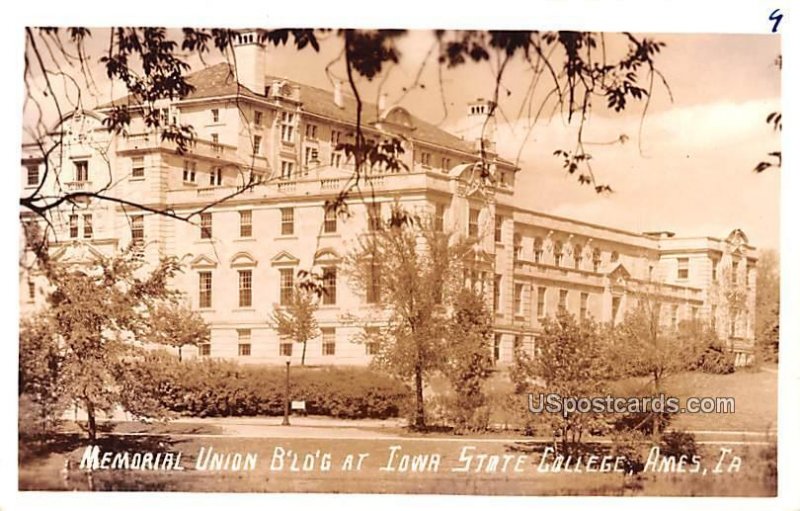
column 469, row 357
column 297, row 321
column 768, row 298
column 94, row 314
column 176, row 325
column 414, row 272
column 41, row 371
column 645, row 345
column 572, row 362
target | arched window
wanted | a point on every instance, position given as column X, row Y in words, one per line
column 537, row 249
column 577, row 254
column 558, row 252
column 596, row 260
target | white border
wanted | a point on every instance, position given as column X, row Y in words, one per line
column 609, row 15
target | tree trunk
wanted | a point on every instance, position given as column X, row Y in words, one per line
column 180, row 353
column 419, row 419
column 92, row 422
column 303, row 356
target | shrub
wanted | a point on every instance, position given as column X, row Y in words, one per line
column 715, row 359
column 214, row 388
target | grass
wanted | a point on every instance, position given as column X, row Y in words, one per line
column 43, row 471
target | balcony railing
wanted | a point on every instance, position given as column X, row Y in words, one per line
column 78, row 186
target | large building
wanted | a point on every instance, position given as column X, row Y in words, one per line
column 244, row 255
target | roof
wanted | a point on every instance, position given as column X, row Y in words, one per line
column 219, row 80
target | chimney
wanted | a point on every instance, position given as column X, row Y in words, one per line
column 338, row 100
column 250, row 61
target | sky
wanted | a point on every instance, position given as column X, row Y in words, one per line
column 686, row 165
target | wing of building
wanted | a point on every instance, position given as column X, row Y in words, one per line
column 243, row 257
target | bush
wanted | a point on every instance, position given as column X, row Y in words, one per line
column 715, row 359
column 213, row 388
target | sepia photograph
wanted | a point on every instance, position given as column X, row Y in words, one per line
column 477, row 261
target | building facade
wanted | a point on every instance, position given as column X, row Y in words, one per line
column 241, row 256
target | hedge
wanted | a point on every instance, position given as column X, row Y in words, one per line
column 213, row 388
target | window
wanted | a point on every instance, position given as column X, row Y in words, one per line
column 244, row 341
column 33, row 175
column 371, row 333
column 287, row 169
column 577, row 255
column 205, row 349
column 215, row 140
column 335, row 138
column 137, row 167
column 137, row 229
column 714, row 263
column 735, row 272
column 374, row 285
column 517, row 246
column 256, row 144
column 374, row 217
column 311, row 131
column 215, row 115
column 541, row 305
column 517, row 344
column 189, row 171
column 562, row 300
column 311, row 155
column 245, row 288
column 445, row 163
column 584, row 305
column 286, row 348
column 215, row 178
column 73, row 226
column 31, row 290
column 537, row 250
column 205, row 289
column 438, row 221
column 287, row 127
column 257, row 118
column 596, row 260
column 614, row 256
column 329, row 286
column 82, row 171
column 673, row 321
column 498, row 339
column 287, row 221
column 328, row 341
column 558, row 252
column 245, row 223
column 518, row 292
column 336, row 160
column 498, row 229
column 498, row 281
column 425, row 158
column 473, row 223
column 683, row 268
column 329, row 225
column 87, row 226
column 205, row 226
column 287, row 286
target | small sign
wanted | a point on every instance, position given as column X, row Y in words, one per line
column 299, row 405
